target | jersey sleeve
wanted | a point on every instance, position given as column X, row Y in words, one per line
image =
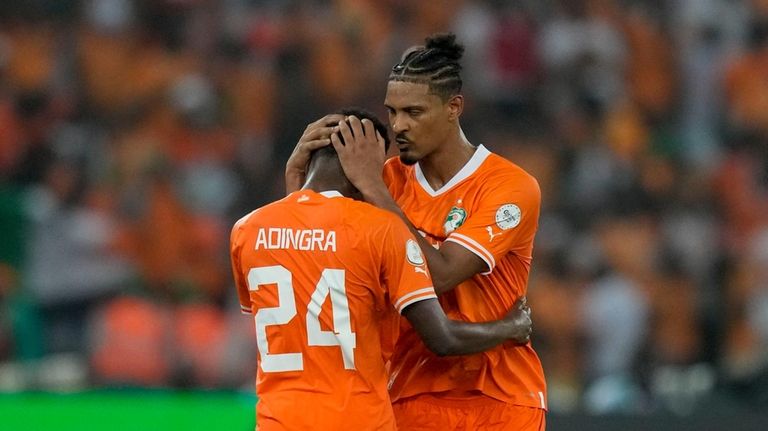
column 406, row 275
column 235, row 253
column 504, row 220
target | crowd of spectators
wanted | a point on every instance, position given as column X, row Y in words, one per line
column 133, row 133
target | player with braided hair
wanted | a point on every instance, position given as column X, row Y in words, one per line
column 326, row 277
column 475, row 215
column 436, row 64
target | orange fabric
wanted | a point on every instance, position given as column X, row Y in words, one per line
column 381, row 266
column 426, row 413
column 494, row 207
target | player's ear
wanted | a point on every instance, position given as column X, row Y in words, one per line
column 455, row 107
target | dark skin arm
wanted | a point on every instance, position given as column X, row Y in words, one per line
column 446, row 337
column 316, row 135
column 449, row 265
column 363, row 161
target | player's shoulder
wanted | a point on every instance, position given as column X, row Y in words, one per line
column 242, row 221
column 259, row 214
column 370, row 217
column 496, row 164
column 498, row 171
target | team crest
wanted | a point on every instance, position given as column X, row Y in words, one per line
column 508, row 216
column 413, row 253
column 455, row 218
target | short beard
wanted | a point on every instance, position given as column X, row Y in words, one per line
column 407, row 160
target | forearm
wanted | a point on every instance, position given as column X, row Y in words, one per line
column 294, row 179
column 452, row 337
column 439, row 268
column 464, row 338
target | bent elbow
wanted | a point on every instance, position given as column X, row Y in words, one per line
column 446, row 348
column 442, row 285
column 441, row 351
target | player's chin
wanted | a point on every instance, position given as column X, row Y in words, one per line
column 408, row 158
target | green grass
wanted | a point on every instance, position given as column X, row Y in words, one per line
column 127, row 410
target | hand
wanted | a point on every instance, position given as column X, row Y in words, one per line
column 316, row 135
column 362, row 154
column 520, row 323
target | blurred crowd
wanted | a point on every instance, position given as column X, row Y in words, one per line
column 133, row 133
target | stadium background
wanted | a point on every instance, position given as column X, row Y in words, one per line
column 133, row 133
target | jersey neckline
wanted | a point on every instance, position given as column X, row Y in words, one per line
column 331, row 194
column 468, row 169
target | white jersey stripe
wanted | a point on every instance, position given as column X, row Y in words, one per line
column 475, row 247
column 417, row 299
column 409, row 295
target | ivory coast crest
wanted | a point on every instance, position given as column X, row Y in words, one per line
column 455, row 218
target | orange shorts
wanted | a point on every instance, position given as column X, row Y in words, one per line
column 426, row 412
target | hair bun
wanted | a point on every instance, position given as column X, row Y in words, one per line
column 446, row 44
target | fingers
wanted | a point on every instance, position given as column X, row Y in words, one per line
column 346, row 132
column 521, row 303
column 356, row 126
column 368, row 127
column 525, row 307
column 319, row 133
column 350, row 130
column 328, row 120
column 528, row 332
column 381, row 142
column 337, row 145
column 370, row 130
column 317, row 143
column 361, row 129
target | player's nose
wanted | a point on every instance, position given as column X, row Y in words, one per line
column 398, row 125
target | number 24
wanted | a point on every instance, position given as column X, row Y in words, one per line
column 331, row 283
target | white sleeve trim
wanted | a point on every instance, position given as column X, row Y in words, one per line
column 410, row 295
column 414, row 300
column 475, row 247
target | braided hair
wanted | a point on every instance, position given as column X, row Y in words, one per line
column 436, row 64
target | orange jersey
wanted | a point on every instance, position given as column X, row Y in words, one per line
column 490, row 207
column 323, row 275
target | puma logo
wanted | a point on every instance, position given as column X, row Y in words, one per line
column 421, row 270
column 491, row 234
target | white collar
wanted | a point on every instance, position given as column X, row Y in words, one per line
column 468, row 169
column 331, row 194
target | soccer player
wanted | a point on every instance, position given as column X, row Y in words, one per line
column 475, row 215
column 325, row 277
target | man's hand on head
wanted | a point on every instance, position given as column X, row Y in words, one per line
column 316, row 135
column 362, row 153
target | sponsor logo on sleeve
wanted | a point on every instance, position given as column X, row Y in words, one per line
column 508, row 216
